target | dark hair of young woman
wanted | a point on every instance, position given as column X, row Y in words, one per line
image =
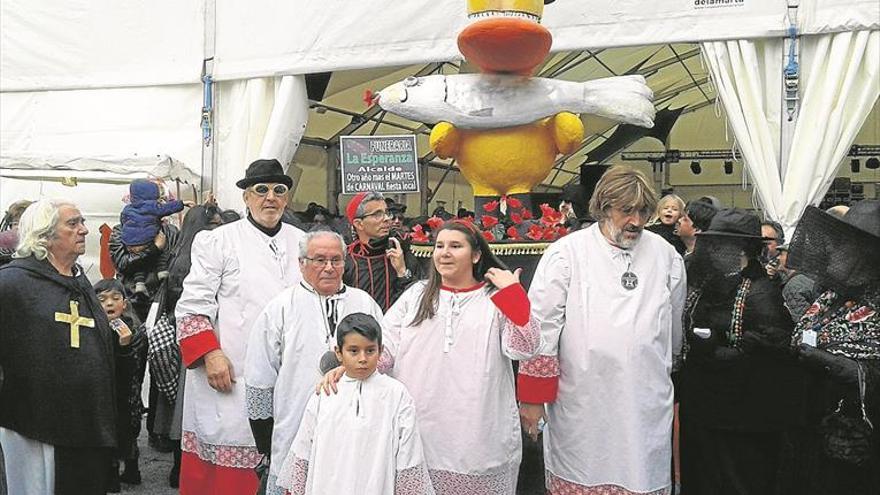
column 431, row 295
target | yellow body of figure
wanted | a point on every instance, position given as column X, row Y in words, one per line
column 510, row 160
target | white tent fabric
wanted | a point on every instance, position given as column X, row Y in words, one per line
column 267, row 37
column 116, row 167
column 84, row 125
column 840, row 82
column 257, row 118
column 77, row 44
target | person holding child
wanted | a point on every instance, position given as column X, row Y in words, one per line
column 369, row 427
column 670, row 209
column 288, row 341
column 141, row 221
column 451, row 341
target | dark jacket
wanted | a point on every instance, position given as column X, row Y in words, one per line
column 799, row 292
column 667, row 232
column 142, row 217
column 368, row 268
column 52, row 392
column 752, row 388
column 146, row 261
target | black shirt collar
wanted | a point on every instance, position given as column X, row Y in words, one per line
column 269, row 232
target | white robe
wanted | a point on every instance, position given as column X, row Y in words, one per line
column 282, row 367
column 464, row 398
column 236, row 269
column 611, row 423
column 363, row 440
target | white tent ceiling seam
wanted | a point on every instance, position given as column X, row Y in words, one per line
column 160, row 166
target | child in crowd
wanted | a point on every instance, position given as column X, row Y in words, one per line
column 669, row 209
column 364, row 439
column 129, row 375
column 141, row 220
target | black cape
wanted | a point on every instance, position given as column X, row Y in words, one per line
column 51, row 392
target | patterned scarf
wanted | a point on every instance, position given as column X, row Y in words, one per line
column 852, row 331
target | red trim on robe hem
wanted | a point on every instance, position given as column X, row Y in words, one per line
column 193, row 348
column 514, row 303
column 198, row 477
column 536, row 390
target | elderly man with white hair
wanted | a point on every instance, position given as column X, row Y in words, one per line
column 57, row 419
column 287, row 352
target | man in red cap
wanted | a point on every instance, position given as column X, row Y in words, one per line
column 377, row 262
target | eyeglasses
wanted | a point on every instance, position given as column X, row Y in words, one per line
column 322, row 262
column 378, row 215
column 263, row 189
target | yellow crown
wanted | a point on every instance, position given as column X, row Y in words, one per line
column 477, row 8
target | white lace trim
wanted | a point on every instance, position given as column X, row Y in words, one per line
column 524, row 339
column 272, row 487
column 559, row 486
column 259, row 402
column 413, row 481
column 235, row 456
column 451, row 483
column 294, row 475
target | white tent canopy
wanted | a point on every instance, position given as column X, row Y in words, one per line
column 93, row 78
column 69, row 44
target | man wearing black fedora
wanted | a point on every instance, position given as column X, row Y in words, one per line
column 236, row 269
column 838, row 343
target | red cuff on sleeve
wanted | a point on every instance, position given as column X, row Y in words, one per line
column 536, row 390
column 194, row 347
column 514, row 303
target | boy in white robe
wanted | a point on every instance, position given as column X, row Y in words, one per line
column 364, row 439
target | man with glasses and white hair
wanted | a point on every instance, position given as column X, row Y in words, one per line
column 377, row 261
column 236, row 269
column 57, row 356
column 609, row 300
column 290, row 342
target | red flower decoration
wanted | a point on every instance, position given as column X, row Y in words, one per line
column 489, row 221
column 418, row 234
column 488, row 235
column 527, row 215
column 514, row 203
column 490, row 206
column 434, row 222
column 516, row 218
column 535, row 233
column 513, row 234
column 549, row 215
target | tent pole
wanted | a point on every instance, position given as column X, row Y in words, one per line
column 207, row 124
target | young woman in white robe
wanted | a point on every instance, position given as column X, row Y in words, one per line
column 451, row 340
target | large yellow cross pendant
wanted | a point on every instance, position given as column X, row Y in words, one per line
column 75, row 321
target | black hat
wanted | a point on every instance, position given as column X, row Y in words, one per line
column 734, row 222
column 839, row 253
column 264, row 171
